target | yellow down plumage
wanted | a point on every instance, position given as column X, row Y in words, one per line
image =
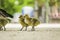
column 3, row 22
column 26, row 21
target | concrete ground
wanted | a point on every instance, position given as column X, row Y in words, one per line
column 38, row 34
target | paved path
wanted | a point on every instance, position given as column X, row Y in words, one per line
column 39, row 34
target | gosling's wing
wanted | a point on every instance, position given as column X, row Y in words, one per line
column 35, row 22
column 3, row 22
column 22, row 22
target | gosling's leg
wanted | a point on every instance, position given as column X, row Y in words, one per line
column 33, row 29
column 26, row 28
column 0, row 28
column 21, row 28
column 4, row 28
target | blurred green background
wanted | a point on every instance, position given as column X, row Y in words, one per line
column 13, row 6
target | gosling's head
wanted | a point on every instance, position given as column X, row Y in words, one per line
column 21, row 16
column 26, row 16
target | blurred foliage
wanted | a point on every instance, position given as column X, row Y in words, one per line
column 55, row 2
column 13, row 6
column 51, row 2
column 41, row 2
column 58, row 2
